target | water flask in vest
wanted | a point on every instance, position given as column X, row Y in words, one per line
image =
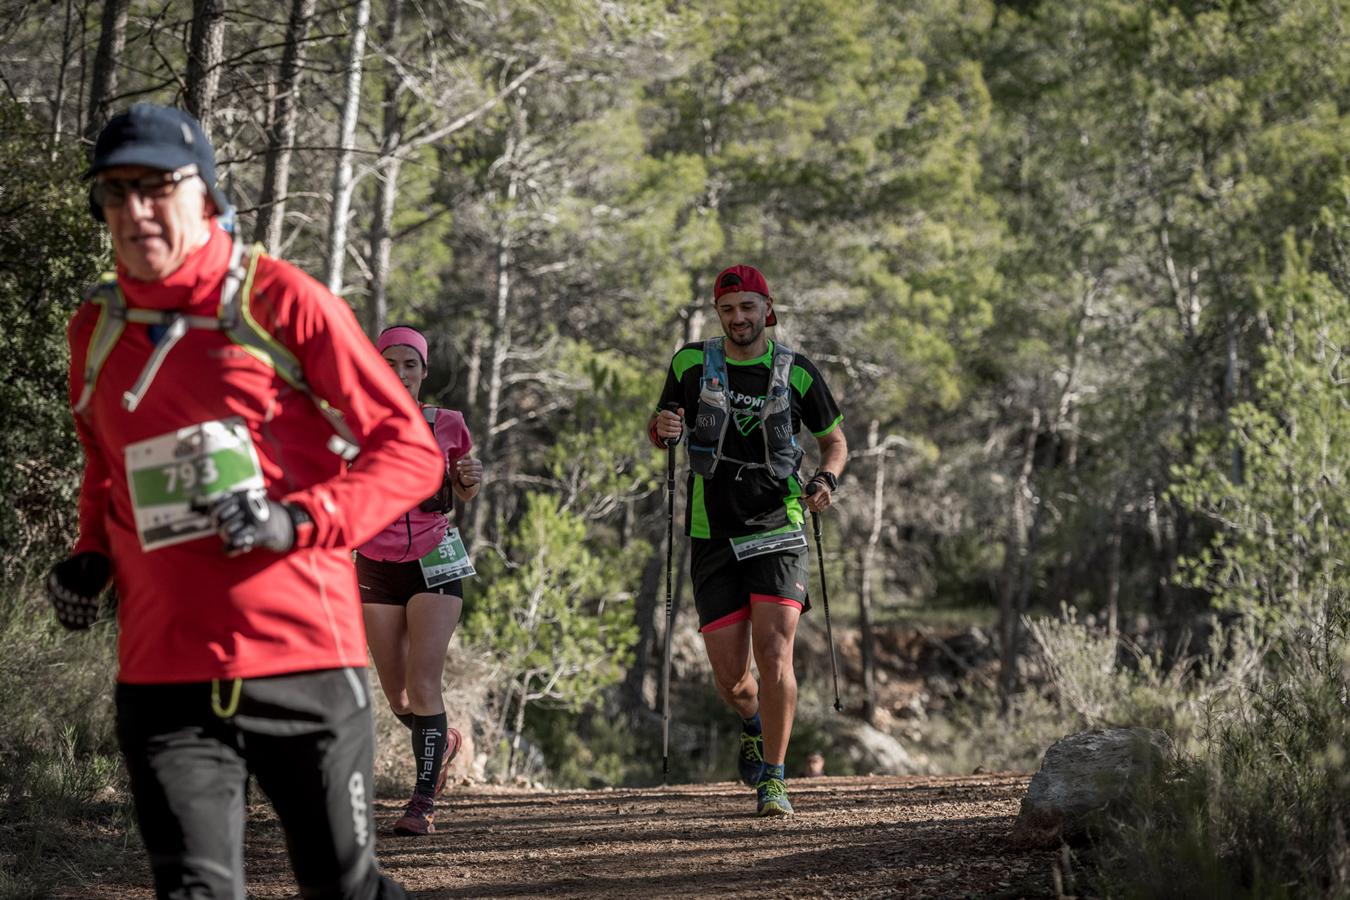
column 709, row 425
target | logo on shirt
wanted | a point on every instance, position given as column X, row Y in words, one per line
column 744, row 408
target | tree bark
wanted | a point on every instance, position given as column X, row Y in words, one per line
column 866, row 560
column 342, row 171
column 647, row 609
column 112, row 40
column 381, row 236
column 501, row 321
column 59, row 102
column 1113, row 562
column 1014, row 561
column 281, row 130
column 206, row 49
column 474, row 377
column 520, row 724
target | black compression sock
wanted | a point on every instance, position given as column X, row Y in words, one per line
column 428, row 739
column 408, row 719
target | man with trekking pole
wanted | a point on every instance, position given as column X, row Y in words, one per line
column 743, row 398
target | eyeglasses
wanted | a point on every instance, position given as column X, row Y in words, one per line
column 113, row 192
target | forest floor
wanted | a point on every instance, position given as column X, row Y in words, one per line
column 894, row 836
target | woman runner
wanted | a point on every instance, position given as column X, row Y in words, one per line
column 408, row 624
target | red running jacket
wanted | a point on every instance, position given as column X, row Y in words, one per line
column 186, row 612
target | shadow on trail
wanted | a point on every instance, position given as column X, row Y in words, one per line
column 855, row 860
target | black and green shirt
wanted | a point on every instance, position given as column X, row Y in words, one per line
column 738, row 501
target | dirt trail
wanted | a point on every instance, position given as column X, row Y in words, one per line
column 851, row 837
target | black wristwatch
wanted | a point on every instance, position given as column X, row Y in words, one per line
column 828, row 477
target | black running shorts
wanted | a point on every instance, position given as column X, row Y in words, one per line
column 724, row 587
column 395, row 583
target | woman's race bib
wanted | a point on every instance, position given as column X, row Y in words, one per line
column 447, row 561
column 166, row 474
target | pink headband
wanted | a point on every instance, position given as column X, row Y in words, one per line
column 402, row 334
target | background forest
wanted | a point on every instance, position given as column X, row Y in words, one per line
column 1077, row 273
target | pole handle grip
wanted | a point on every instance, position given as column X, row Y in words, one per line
column 671, row 406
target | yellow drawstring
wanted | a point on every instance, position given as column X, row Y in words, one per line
column 225, row 712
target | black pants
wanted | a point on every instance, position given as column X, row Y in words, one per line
column 306, row 737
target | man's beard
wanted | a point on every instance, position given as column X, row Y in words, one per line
column 750, row 335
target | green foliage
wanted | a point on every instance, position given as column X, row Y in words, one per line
column 1279, row 553
column 58, row 753
column 590, row 749
column 53, row 250
column 555, row 615
column 1262, row 811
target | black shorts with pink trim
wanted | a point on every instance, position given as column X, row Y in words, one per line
column 724, row 587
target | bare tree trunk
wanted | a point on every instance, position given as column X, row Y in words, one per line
column 1230, row 385
column 647, row 609
column 520, row 724
column 205, row 51
column 342, row 172
column 381, row 236
column 866, row 558
column 1113, row 561
column 80, row 98
column 475, row 377
column 281, row 130
column 59, row 103
column 112, row 39
column 1014, row 559
column 501, row 322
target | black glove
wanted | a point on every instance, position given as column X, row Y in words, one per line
column 248, row 519
column 74, row 586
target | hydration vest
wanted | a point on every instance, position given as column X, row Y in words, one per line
column 443, row 501
column 233, row 318
column 782, row 453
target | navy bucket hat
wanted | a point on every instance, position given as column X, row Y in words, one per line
column 160, row 137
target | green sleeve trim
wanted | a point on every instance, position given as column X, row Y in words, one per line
column 801, row 380
column 698, row 511
column 685, row 360
column 832, row 426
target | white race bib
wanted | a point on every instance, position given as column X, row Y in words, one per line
column 447, row 561
column 789, row 537
column 166, row 473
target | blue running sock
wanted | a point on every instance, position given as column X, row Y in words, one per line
column 752, row 725
column 772, row 771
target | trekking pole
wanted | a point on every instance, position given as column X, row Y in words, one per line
column 811, row 488
column 670, row 615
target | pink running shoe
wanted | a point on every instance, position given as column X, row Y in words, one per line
column 418, row 817
column 453, row 740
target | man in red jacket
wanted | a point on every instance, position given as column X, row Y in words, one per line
column 213, row 389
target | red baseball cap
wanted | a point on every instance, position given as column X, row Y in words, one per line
column 743, row 278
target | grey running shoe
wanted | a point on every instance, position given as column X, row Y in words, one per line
column 773, row 798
